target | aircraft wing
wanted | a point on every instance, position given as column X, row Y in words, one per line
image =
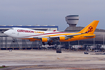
column 71, row 36
column 57, row 37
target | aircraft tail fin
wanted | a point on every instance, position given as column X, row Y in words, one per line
column 90, row 28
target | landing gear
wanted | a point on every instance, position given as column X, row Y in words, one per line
column 49, row 43
column 43, row 43
column 58, row 49
column 85, row 52
column 13, row 40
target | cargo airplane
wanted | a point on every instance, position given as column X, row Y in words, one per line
column 52, row 36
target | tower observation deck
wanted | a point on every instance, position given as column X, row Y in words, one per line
column 72, row 20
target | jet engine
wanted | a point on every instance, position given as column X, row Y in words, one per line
column 62, row 38
column 44, row 39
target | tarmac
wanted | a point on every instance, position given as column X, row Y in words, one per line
column 50, row 60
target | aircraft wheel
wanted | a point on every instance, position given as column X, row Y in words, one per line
column 58, row 50
column 43, row 43
column 13, row 41
column 85, row 52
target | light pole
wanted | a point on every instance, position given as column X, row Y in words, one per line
column 69, row 45
column 103, row 39
column 93, row 41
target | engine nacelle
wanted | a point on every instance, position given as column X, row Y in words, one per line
column 62, row 38
column 44, row 39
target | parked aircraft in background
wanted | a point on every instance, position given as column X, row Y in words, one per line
column 52, row 36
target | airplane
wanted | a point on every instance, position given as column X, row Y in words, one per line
column 52, row 36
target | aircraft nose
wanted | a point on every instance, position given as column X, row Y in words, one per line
column 6, row 32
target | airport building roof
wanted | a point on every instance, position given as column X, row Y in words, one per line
column 29, row 26
column 76, row 29
column 35, row 27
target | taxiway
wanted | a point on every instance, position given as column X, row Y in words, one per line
column 49, row 59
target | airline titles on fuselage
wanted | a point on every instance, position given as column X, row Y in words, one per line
column 28, row 31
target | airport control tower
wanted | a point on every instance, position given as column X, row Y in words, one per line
column 72, row 20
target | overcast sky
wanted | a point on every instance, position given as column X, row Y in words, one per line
column 51, row 12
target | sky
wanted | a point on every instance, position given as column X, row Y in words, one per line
column 51, row 12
